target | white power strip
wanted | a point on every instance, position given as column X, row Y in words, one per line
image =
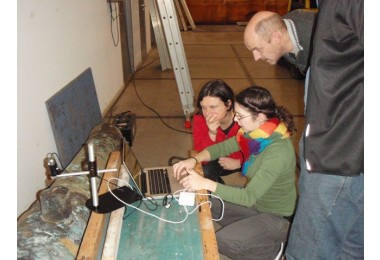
column 186, row 198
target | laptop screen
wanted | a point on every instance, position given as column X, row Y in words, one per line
column 131, row 164
column 155, row 181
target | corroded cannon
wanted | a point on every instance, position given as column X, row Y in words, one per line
column 53, row 226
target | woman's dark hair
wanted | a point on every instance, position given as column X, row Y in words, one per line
column 216, row 88
column 259, row 100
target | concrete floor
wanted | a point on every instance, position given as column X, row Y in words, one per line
column 210, row 55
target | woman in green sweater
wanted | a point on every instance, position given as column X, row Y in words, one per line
column 257, row 217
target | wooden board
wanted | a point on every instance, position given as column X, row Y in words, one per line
column 221, row 12
column 210, row 247
column 111, row 244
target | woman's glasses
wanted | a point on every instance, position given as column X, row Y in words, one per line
column 239, row 117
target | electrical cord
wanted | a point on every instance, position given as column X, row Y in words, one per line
column 117, row 24
column 142, row 102
column 166, row 220
column 125, row 216
column 154, row 111
column 125, row 207
column 138, row 96
column 167, row 200
column 111, row 116
column 205, row 202
column 140, row 201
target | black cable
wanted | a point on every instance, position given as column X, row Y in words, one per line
column 152, row 201
column 146, row 65
column 142, row 102
column 154, row 111
column 111, row 116
column 134, row 209
column 117, row 24
column 167, row 200
column 134, row 84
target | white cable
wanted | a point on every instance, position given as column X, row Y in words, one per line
column 169, row 221
column 217, row 197
column 185, row 208
column 205, row 194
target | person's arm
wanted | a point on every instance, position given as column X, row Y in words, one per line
column 262, row 174
column 183, row 167
column 265, row 175
column 238, row 155
column 194, row 182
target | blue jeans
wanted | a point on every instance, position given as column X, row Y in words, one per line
column 329, row 219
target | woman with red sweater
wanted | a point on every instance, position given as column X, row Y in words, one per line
column 214, row 123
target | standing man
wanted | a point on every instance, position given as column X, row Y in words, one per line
column 329, row 220
column 270, row 36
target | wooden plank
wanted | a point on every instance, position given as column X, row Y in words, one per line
column 188, row 15
column 179, row 12
column 92, row 237
column 111, row 244
column 210, row 246
column 218, row 12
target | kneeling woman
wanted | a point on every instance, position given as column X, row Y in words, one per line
column 256, row 217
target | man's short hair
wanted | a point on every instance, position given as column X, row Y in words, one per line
column 267, row 26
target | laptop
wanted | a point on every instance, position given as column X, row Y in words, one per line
column 154, row 182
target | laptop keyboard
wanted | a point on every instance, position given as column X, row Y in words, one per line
column 159, row 181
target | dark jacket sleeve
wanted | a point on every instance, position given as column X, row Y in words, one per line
column 334, row 127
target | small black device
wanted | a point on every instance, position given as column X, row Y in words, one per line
column 109, row 203
column 126, row 124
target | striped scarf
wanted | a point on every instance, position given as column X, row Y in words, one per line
column 253, row 143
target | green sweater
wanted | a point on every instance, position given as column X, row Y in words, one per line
column 271, row 178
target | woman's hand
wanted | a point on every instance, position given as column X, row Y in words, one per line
column 194, row 182
column 229, row 164
column 212, row 123
column 182, row 167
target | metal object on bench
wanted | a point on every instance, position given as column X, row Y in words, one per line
column 58, row 234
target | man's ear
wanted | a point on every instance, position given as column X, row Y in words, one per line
column 276, row 37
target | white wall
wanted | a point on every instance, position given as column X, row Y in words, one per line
column 56, row 41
